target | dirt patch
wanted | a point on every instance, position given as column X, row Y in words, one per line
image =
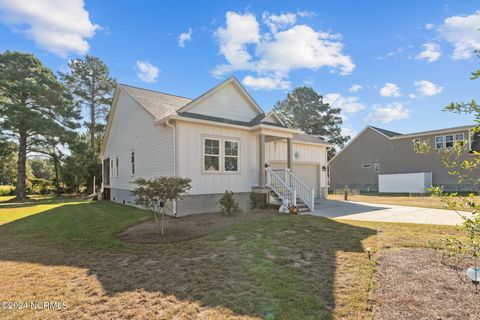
column 414, row 284
column 189, row 227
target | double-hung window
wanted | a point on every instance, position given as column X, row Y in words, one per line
column 439, row 142
column 211, row 158
column 449, row 141
column 459, row 139
column 221, row 155
column 231, row 156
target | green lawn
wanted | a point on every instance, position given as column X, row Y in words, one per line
column 279, row 267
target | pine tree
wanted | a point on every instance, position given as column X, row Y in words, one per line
column 33, row 105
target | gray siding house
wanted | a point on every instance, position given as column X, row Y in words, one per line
column 377, row 151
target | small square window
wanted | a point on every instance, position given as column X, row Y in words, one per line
column 366, row 165
column 459, row 139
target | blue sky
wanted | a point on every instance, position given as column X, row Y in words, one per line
column 389, row 64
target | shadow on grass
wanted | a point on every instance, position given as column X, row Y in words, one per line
column 283, row 267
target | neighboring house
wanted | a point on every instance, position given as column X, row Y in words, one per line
column 222, row 141
column 377, row 151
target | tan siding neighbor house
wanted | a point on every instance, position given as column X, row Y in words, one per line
column 377, row 151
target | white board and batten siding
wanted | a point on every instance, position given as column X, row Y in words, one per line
column 405, row 182
column 133, row 129
column 190, row 158
column 228, row 103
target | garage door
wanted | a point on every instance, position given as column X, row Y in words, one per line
column 308, row 173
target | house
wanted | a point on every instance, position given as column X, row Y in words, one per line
column 375, row 151
column 221, row 140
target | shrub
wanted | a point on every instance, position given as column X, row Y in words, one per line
column 258, row 200
column 155, row 194
column 227, row 203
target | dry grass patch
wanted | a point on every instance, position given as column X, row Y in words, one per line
column 414, row 284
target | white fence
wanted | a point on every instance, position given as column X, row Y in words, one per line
column 405, row 182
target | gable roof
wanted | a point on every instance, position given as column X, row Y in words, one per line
column 388, row 133
column 231, row 80
column 158, row 104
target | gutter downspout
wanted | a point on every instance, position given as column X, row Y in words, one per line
column 168, row 124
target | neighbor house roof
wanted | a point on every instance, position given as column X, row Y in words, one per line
column 159, row 104
column 388, row 133
column 431, row 132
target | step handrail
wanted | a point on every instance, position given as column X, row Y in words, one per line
column 306, row 194
column 274, row 181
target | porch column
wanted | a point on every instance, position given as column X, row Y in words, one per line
column 289, row 153
column 261, row 159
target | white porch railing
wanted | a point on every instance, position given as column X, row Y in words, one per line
column 306, row 194
column 279, row 187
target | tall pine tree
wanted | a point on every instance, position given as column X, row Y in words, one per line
column 33, row 105
column 92, row 87
column 303, row 108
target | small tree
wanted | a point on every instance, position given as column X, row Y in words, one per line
column 155, row 194
column 227, row 203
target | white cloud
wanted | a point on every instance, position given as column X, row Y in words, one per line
column 277, row 22
column 431, row 52
column 184, row 37
column 355, row 88
column 147, row 72
column 348, row 131
column 390, row 54
column 239, row 31
column 462, row 32
column 57, row 26
column 429, row 26
column 275, row 54
column 390, row 90
column 347, row 104
column 412, row 96
column 265, row 83
column 389, row 113
column 428, row 88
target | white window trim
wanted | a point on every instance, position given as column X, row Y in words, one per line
column 443, row 142
column 376, row 167
column 444, row 138
column 221, row 156
column 416, row 144
column 225, row 156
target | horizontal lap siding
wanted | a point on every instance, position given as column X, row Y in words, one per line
column 190, row 159
column 133, row 128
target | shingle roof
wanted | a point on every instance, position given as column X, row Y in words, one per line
column 388, row 133
column 423, row 133
column 157, row 103
column 308, row 138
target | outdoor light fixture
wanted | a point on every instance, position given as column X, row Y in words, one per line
column 369, row 251
column 474, row 275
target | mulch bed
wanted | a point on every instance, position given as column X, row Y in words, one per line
column 189, row 227
column 415, row 284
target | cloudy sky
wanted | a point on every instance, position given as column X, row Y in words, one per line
column 392, row 64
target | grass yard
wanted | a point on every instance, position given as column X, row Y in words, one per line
column 273, row 267
column 414, row 201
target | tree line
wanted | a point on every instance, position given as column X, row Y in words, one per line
column 52, row 125
column 40, row 117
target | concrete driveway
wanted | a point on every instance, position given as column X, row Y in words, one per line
column 384, row 213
